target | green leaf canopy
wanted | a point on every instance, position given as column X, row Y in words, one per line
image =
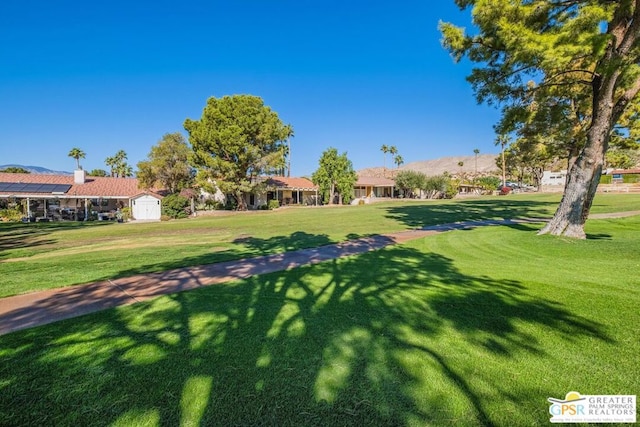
column 237, row 139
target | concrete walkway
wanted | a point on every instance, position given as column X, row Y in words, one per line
column 39, row 308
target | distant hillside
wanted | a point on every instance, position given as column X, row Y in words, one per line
column 37, row 170
column 486, row 165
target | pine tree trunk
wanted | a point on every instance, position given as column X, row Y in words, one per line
column 573, row 211
column 584, row 175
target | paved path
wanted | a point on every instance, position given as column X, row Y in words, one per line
column 614, row 215
column 39, row 308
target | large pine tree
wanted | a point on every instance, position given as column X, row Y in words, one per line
column 540, row 54
column 237, row 139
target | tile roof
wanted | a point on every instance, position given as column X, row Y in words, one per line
column 94, row 187
column 624, row 171
column 293, row 183
column 375, row 181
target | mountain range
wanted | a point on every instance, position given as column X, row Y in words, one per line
column 37, row 170
column 486, row 164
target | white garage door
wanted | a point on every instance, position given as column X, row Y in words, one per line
column 146, row 207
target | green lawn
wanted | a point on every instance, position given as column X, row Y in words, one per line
column 473, row 327
column 47, row 255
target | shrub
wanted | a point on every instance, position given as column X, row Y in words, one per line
column 10, row 214
column 605, row 179
column 489, row 182
column 126, row 213
column 273, row 204
column 505, row 190
column 451, row 189
column 231, row 204
column 175, row 206
column 630, row 178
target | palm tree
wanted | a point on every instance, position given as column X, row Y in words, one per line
column 385, row 150
column 124, row 170
column 398, row 160
column 77, row 154
column 476, row 152
column 393, row 150
column 503, row 140
column 118, row 165
column 112, row 163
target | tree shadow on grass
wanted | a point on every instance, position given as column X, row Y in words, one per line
column 422, row 215
column 29, row 235
column 599, row 236
column 365, row 340
column 275, row 244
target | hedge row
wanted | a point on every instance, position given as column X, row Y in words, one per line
column 629, row 178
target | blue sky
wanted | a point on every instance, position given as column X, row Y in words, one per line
column 105, row 76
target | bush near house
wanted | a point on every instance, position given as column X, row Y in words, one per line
column 488, row 182
column 175, row 206
column 628, row 178
column 273, row 204
column 126, row 213
column 10, row 215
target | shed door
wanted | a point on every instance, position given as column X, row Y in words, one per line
column 146, row 208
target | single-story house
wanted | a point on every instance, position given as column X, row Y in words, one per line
column 369, row 186
column 78, row 196
column 554, row 178
column 617, row 175
column 286, row 190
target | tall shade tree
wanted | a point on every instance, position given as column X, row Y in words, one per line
column 237, row 139
column 409, row 181
column 335, row 176
column 530, row 155
column 544, row 53
column 77, row 154
column 167, row 165
column 619, row 159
